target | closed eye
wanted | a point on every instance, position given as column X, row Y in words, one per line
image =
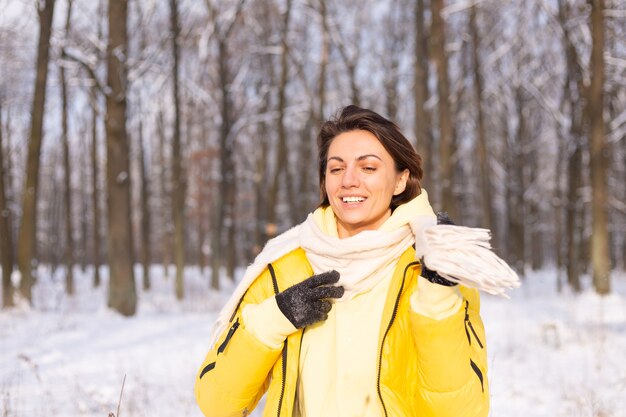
column 369, row 169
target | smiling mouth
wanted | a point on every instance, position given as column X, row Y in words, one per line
column 353, row 199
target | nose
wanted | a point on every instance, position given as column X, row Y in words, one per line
column 350, row 178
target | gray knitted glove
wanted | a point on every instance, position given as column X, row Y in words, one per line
column 306, row 303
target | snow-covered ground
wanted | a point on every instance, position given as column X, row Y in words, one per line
column 550, row 354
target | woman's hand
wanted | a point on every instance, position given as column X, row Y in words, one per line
column 463, row 255
column 430, row 275
column 307, row 302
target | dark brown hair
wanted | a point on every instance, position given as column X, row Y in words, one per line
column 355, row 118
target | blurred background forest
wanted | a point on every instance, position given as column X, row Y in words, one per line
column 183, row 132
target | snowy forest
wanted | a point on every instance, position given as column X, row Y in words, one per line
column 150, row 148
column 184, row 132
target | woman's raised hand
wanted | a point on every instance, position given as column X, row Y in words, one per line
column 307, row 302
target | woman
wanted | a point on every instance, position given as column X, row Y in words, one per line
column 338, row 316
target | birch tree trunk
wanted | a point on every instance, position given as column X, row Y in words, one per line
column 27, row 239
column 122, row 291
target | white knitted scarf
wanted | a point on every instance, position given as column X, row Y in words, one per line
column 460, row 254
column 361, row 260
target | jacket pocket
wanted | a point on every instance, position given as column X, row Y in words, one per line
column 206, row 369
column 478, row 373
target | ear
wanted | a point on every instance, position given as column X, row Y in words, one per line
column 401, row 180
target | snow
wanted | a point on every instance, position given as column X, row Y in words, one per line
column 550, row 354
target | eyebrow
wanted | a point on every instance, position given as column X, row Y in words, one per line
column 360, row 158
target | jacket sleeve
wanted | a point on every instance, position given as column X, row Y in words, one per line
column 235, row 373
column 452, row 361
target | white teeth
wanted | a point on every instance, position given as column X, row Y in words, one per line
column 353, row 199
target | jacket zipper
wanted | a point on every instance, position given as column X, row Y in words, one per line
column 468, row 323
column 473, row 365
column 230, row 334
column 284, row 353
column 382, row 344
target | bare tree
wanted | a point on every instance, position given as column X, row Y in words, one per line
column 145, row 211
column 423, row 132
column 178, row 179
column 223, row 204
column 122, row 292
column 350, row 51
column 165, row 194
column 447, row 146
column 600, row 258
column 27, row 240
column 264, row 86
column 6, row 242
column 573, row 95
column 282, row 160
column 69, row 238
column 482, row 147
column 516, row 185
column 393, row 47
column 95, row 200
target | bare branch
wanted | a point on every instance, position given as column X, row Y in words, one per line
column 87, row 66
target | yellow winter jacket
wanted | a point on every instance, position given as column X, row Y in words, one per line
column 426, row 368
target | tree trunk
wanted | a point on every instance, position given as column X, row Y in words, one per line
column 574, row 92
column 574, row 219
column 6, row 241
column 84, row 202
column 354, row 88
column 324, row 57
column 231, row 221
column 27, row 239
column 558, row 216
column 69, row 243
column 178, row 181
column 224, row 201
column 282, row 158
column 483, row 158
column 122, row 292
column 423, row 134
column 145, row 212
column 166, row 240
column 260, row 175
column 516, row 188
column 600, row 261
column 226, row 168
column 95, row 194
column 447, row 146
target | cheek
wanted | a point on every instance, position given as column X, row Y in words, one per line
column 329, row 186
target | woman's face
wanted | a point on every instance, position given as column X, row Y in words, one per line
column 361, row 179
